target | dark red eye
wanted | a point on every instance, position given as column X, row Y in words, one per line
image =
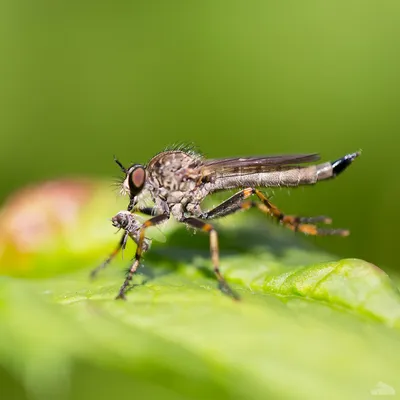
column 137, row 178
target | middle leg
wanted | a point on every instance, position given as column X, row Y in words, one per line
column 206, row 227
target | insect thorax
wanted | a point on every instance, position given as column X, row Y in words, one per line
column 173, row 177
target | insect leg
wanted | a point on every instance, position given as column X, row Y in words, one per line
column 139, row 251
column 230, row 206
column 206, row 227
column 147, row 210
column 237, row 202
column 294, row 223
column 121, row 246
column 302, row 224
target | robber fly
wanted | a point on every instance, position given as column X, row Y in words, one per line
column 179, row 179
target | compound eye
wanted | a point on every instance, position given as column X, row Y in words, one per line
column 136, row 179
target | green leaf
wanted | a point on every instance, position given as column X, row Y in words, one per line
column 308, row 326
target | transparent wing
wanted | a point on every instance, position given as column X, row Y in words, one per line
column 275, row 160
column 252, row 165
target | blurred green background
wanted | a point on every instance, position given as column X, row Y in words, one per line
column 81, row 81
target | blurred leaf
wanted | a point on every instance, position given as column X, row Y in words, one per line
column 302, row 330
column 56, row 226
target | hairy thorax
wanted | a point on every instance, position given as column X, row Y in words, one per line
column 173, row 177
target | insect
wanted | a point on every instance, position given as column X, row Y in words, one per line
column 131, row 225
column 179, row 179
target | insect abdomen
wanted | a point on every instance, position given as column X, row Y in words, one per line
column 291, row 177
column 332, row 169
column 288, row 177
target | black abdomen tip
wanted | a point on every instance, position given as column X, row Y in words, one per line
column 341, row 164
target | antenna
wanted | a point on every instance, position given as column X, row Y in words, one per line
column 120, row 165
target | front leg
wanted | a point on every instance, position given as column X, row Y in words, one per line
column 152, row 211
column 139, row 251
column 120, row 247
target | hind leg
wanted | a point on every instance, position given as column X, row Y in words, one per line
column 239, row 201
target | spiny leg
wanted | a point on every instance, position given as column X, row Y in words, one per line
column 233, row 204
column 294, row 223
column 205, row 227
column 139, row 251
column 303, row 224
column 237, row 202
column 121, row 246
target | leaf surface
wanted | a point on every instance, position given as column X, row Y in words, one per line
column 308, row 326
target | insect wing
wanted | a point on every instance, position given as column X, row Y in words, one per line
column 251, row 165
